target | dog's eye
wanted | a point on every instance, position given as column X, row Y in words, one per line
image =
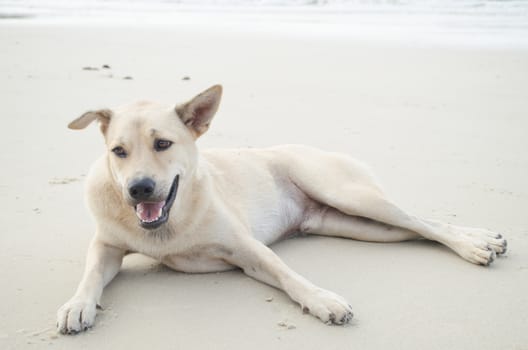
column 162, row 145
column 119, row 151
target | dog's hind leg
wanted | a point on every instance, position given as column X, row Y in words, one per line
column 348, row 187
column 328, row 221
column 475, row 245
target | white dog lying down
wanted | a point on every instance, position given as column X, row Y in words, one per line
column 152, row 192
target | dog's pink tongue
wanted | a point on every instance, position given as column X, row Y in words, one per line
column 149, row 211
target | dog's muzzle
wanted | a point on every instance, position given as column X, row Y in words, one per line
column 154, row 214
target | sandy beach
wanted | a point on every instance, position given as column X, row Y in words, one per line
column 444, row 129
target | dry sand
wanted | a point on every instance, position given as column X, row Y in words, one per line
column 444, row 129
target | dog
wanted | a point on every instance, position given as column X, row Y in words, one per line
column 154, row 193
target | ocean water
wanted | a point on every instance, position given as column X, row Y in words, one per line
column 454, row 22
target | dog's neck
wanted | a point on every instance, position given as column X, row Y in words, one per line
column 191, row 208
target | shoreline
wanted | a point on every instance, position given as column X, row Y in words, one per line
column 421, row 29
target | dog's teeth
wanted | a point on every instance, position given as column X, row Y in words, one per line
column 150, row 212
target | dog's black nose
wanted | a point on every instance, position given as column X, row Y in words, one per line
column 142, row 189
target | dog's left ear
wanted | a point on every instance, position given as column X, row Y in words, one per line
column 198, row 112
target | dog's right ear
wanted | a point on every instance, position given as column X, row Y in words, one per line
column 103, row 116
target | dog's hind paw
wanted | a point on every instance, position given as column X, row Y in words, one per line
column 480, row 246
column 495, row 240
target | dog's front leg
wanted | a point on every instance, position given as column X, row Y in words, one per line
column 102, row 264
column 261, row 263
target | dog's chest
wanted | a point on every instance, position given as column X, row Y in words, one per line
column 195, row 263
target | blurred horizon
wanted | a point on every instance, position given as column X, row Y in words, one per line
column 503, row 23
column 91, row 7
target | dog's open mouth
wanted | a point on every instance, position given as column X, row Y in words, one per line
column 153, row 214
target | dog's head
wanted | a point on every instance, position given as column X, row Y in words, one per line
column 151, row 149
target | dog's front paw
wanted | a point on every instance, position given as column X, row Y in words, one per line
column 76, row 315
column 328, row 307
